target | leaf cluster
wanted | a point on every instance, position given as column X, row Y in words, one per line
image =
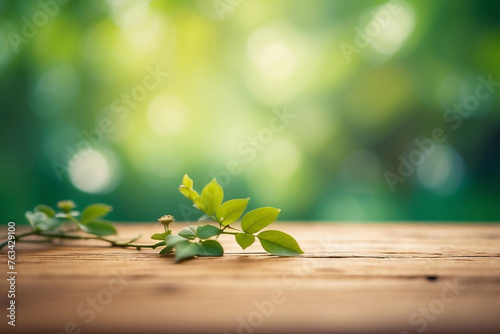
column 201, row 240
column 44, row 218
column 67, row 223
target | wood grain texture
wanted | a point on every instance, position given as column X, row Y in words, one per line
column 353, row 278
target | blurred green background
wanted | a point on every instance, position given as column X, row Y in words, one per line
column 309, row 106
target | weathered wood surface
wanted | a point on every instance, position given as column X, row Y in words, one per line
column 354, row 278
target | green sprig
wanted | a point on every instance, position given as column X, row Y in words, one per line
column 48, row 225
column 195, row 241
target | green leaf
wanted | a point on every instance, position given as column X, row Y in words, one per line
column 185, row 191
column 211, row 197
column 187, row 233
column 197, row 203
column 174, row 239
column 186, row 188
column 231, row 211
column 38, row 217
column 185, row 250
column 160, row 236
column 189, row 193
column 207, row 231
column 204, row 218
column 279, row 243
column 30, row 217
column 95, row 211
column 98, row 227
column 193, row 228
column 187, row 182
column 244, row 239
column 166, row 250
column 51, row 213
column 210, row 248
column 255, row 220
column 40, row 221
column 48, row 224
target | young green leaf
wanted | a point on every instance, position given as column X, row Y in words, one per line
column 48, row 224
column 51, row 213
column 187, row 182
column 279, row 243
column 185, row 191
column 187, row 233
column 160, row 236
column 186, row 188
column 255, row 220
column 193, row 228
column 95, row 211
column 189, row 193
column 99, row 228
column 30, row 217
column 207, row 231
column 185, row 250
column 210, row 248
column 231, row 211
column 174, row 239
column 211, row 197
column 40, row 221
column 197, row 203
column 244, row 239
column 166, row 250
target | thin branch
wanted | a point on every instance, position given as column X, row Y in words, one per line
column 113, row 243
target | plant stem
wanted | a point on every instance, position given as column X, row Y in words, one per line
column 24, row 235
column 236, row 229
column 232, row 233
column 79, row 237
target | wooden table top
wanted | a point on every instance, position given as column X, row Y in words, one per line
column 353, row 278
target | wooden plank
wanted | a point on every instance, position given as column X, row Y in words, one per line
column 354, row 278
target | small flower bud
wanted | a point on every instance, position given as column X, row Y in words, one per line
column 166, row 220
column 66, row 206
